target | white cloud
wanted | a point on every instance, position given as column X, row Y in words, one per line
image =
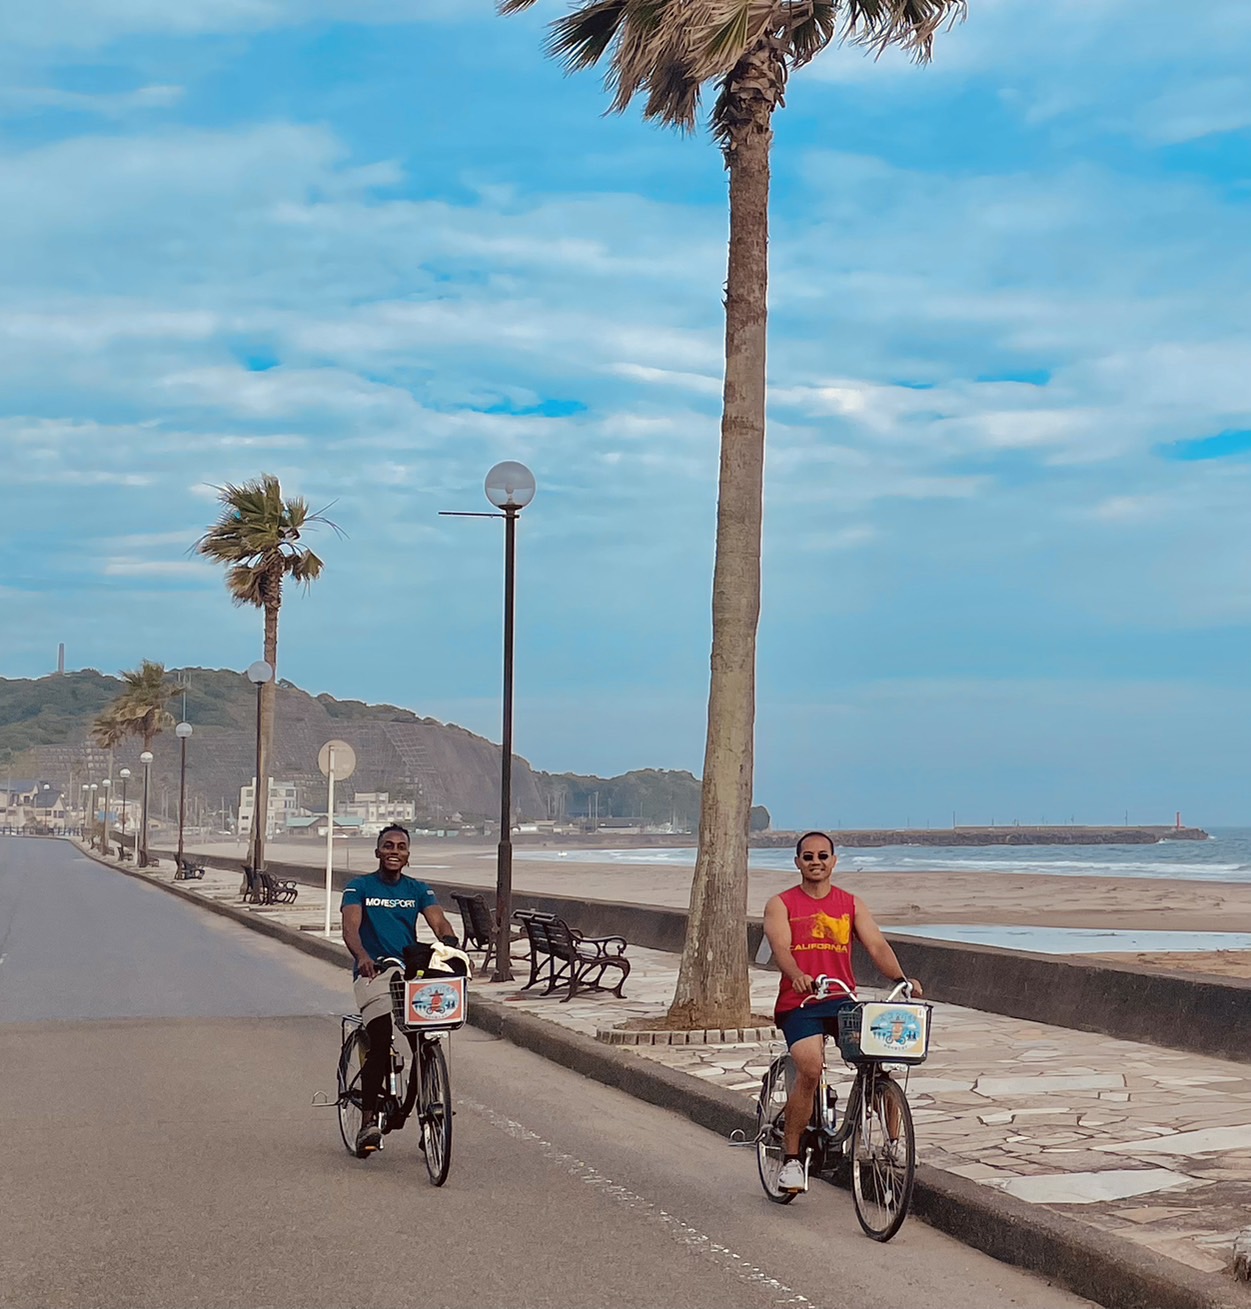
column 126, row 566
column 116, row 104
column 88, row 24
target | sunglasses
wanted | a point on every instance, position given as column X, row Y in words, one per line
column 808, row 858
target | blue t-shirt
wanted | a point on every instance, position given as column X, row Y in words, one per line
column 388, row 913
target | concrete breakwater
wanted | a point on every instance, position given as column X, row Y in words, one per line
column 958, row 836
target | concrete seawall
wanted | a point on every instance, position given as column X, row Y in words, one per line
column 1205, row 1014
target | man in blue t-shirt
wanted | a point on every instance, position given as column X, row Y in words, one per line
column 379, row 921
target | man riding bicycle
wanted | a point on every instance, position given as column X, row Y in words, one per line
column 379, row 922
column 810, row 929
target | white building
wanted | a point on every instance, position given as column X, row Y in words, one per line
column 284, row 803
column 33, row 806
column 376, row 809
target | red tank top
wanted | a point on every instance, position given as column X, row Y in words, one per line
column 821, row 935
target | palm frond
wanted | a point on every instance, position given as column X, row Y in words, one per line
column 811, row 34
column 305, row 568
column 244, row 582
column 909, row 24
column 514, row 6
column 580, row 39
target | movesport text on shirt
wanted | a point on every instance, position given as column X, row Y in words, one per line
column 388, row 912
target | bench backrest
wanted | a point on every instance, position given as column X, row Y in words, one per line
column 549, row 935
column 476, row 919
column 562, row 938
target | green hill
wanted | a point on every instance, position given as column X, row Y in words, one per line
column 45, row 726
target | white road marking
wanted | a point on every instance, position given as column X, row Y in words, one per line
column 680, row 1231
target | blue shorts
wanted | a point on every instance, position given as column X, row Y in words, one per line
column 818, row 1019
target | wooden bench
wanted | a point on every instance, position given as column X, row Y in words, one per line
column 251, row 892
column 565, row 958
column 185, row 870
column 279, row 890
column 263, row 889
column 479, row 929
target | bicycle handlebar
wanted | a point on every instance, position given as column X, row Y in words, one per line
column 823, row 989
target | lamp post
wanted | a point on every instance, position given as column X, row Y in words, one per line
column 125, row 776
column 509, row 487
column 258, row 674
column 104, row 816
column 182, row 732
column 94, row 789
column 86, row 802
column 146, row 760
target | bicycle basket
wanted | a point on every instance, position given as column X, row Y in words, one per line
column 435, row 1002
column 892, row 1033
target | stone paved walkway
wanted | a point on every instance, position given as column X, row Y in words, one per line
column 1153, row 1145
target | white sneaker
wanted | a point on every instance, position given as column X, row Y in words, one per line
column 792, row 1178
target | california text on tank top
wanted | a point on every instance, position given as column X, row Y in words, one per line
column 821, row 936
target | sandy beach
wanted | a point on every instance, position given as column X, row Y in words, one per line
column 896, row 899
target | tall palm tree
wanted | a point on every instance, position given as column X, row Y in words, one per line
column 257, row 538
column 669, row 52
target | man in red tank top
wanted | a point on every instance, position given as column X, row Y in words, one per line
column 810, row 929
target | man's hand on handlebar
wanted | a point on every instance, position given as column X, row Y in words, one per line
column 367, row 968
column 803, row 984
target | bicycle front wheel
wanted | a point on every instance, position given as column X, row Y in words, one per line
column 435, row 1111
column 770, row 1112
column 883, row 1157
column 351, row 1060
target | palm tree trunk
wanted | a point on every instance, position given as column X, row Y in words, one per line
column 269, row 694
column 713, row 988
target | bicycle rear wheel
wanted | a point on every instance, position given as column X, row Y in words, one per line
column 351, row 1060
column 435, row 1111
column 770, row 1112
column 883, row 1156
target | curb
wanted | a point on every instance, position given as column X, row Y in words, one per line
column 1089, row 1262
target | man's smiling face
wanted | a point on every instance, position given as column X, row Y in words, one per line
column 392, row 852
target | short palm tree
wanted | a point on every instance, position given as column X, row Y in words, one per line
column 668, row 52
column 138, row 710
column 257, row 538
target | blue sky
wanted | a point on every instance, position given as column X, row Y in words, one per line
column 375, row 247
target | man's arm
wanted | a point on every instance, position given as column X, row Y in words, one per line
column 870, row 936
column 438, row 923
column 777, row 926
column 352, row 915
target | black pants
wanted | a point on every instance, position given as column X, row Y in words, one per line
column 377, row 1059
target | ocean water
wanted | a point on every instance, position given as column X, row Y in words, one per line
column 1224, row 858
column 1078, row 940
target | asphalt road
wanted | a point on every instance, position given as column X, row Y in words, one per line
column 157, row 1067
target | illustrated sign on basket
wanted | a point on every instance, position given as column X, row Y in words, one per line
column 895, row 1031
column 434, row 1002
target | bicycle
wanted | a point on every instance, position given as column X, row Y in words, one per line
column 424, row 1005
column 876, row 1132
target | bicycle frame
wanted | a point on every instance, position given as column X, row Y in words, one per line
column 875, row 1135
column 397, row 1098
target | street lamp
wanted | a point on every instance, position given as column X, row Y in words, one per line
column 182, row 732
column 510, row 487
column 146, row 760
column 104, row 817
column 258, row 674
column 86, row 802
column 94, row 789
column 125, row 776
